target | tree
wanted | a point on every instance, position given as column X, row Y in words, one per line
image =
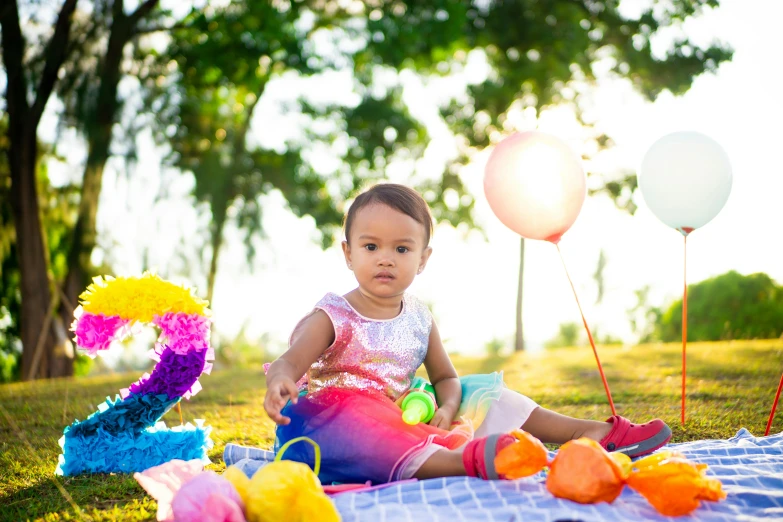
column 58, row 207
column 598, row 276
column 569, row 334
column 204, row 113
column 519, row 331
column 224, row 60
column 36, row 78
column 545, row 57
column 643, row 317
column 728, row 306
column 89, row 89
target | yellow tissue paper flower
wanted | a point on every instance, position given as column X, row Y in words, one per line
column 290, row 491
column 140, row 298
column 239, row 480
column 315, row 505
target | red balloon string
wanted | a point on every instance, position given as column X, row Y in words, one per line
column 774, row 406
column 684, row 321
column 589, row 335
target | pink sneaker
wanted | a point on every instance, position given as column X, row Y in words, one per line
column 635, row 440
column 479, row 455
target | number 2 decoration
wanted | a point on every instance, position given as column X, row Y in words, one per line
column 124, row 435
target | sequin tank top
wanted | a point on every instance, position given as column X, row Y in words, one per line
column 380, row 355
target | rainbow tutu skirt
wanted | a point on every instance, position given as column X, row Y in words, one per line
column 362, row 435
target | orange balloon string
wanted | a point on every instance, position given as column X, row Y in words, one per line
column 684, row 321
column 589, row 335
column 774, row 407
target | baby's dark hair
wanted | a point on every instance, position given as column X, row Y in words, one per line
column 398, row 197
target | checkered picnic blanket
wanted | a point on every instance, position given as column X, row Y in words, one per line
column 750, row 468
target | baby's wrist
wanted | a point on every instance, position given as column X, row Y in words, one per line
column 274, row 378
column 449, row 408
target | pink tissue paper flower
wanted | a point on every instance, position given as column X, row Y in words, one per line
column 183, row 332
column 164, row 481
column 96, row 332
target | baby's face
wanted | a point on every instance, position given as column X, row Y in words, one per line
column 386, row 250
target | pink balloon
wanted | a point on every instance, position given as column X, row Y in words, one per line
column 535, row 185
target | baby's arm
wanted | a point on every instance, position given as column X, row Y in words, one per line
column 311, row 337
column 443, row 377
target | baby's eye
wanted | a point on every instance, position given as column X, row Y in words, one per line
column 402, row 249
column 371, row 247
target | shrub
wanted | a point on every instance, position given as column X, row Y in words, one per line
column 729, row 306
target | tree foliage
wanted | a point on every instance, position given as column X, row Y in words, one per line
column 729, row 306
column 539, row 54
column 205, row 86
column 204, row 90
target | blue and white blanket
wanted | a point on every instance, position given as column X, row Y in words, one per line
column 750, row 468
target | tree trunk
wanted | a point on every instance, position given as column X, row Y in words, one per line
column 519, row 342
column 85, row 230
column 216, row 237
column 30, row 247
column 84, row 233
column 220, row 207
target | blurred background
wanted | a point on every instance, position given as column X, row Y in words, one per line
column 219, row 144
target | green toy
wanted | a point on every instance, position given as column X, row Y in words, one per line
column 419, row 404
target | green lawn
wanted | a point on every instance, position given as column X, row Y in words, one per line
column 730, row 385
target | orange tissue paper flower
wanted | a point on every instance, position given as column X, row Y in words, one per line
column 584, row 472
column 525, row 457
column 673, row 485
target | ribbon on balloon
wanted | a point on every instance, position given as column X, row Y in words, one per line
column 536, row 186
column 685, row 179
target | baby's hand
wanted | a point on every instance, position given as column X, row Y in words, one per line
column 278, row 391
column 442, row 418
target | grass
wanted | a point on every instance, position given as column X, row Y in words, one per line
column 730, row 385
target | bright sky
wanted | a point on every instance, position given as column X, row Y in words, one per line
column 471, row 283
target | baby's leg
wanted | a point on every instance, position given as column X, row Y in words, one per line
column 442, row 463
column 549, row 426
column 617, row 434
column 475, row 459
column 513, row 410
column 543, row 424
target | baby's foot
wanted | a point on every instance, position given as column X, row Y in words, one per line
column 479, row 455
column 635, row 440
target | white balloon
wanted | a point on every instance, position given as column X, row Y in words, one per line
column 685, row 179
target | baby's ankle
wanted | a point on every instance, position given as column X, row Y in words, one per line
column 598, row 430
